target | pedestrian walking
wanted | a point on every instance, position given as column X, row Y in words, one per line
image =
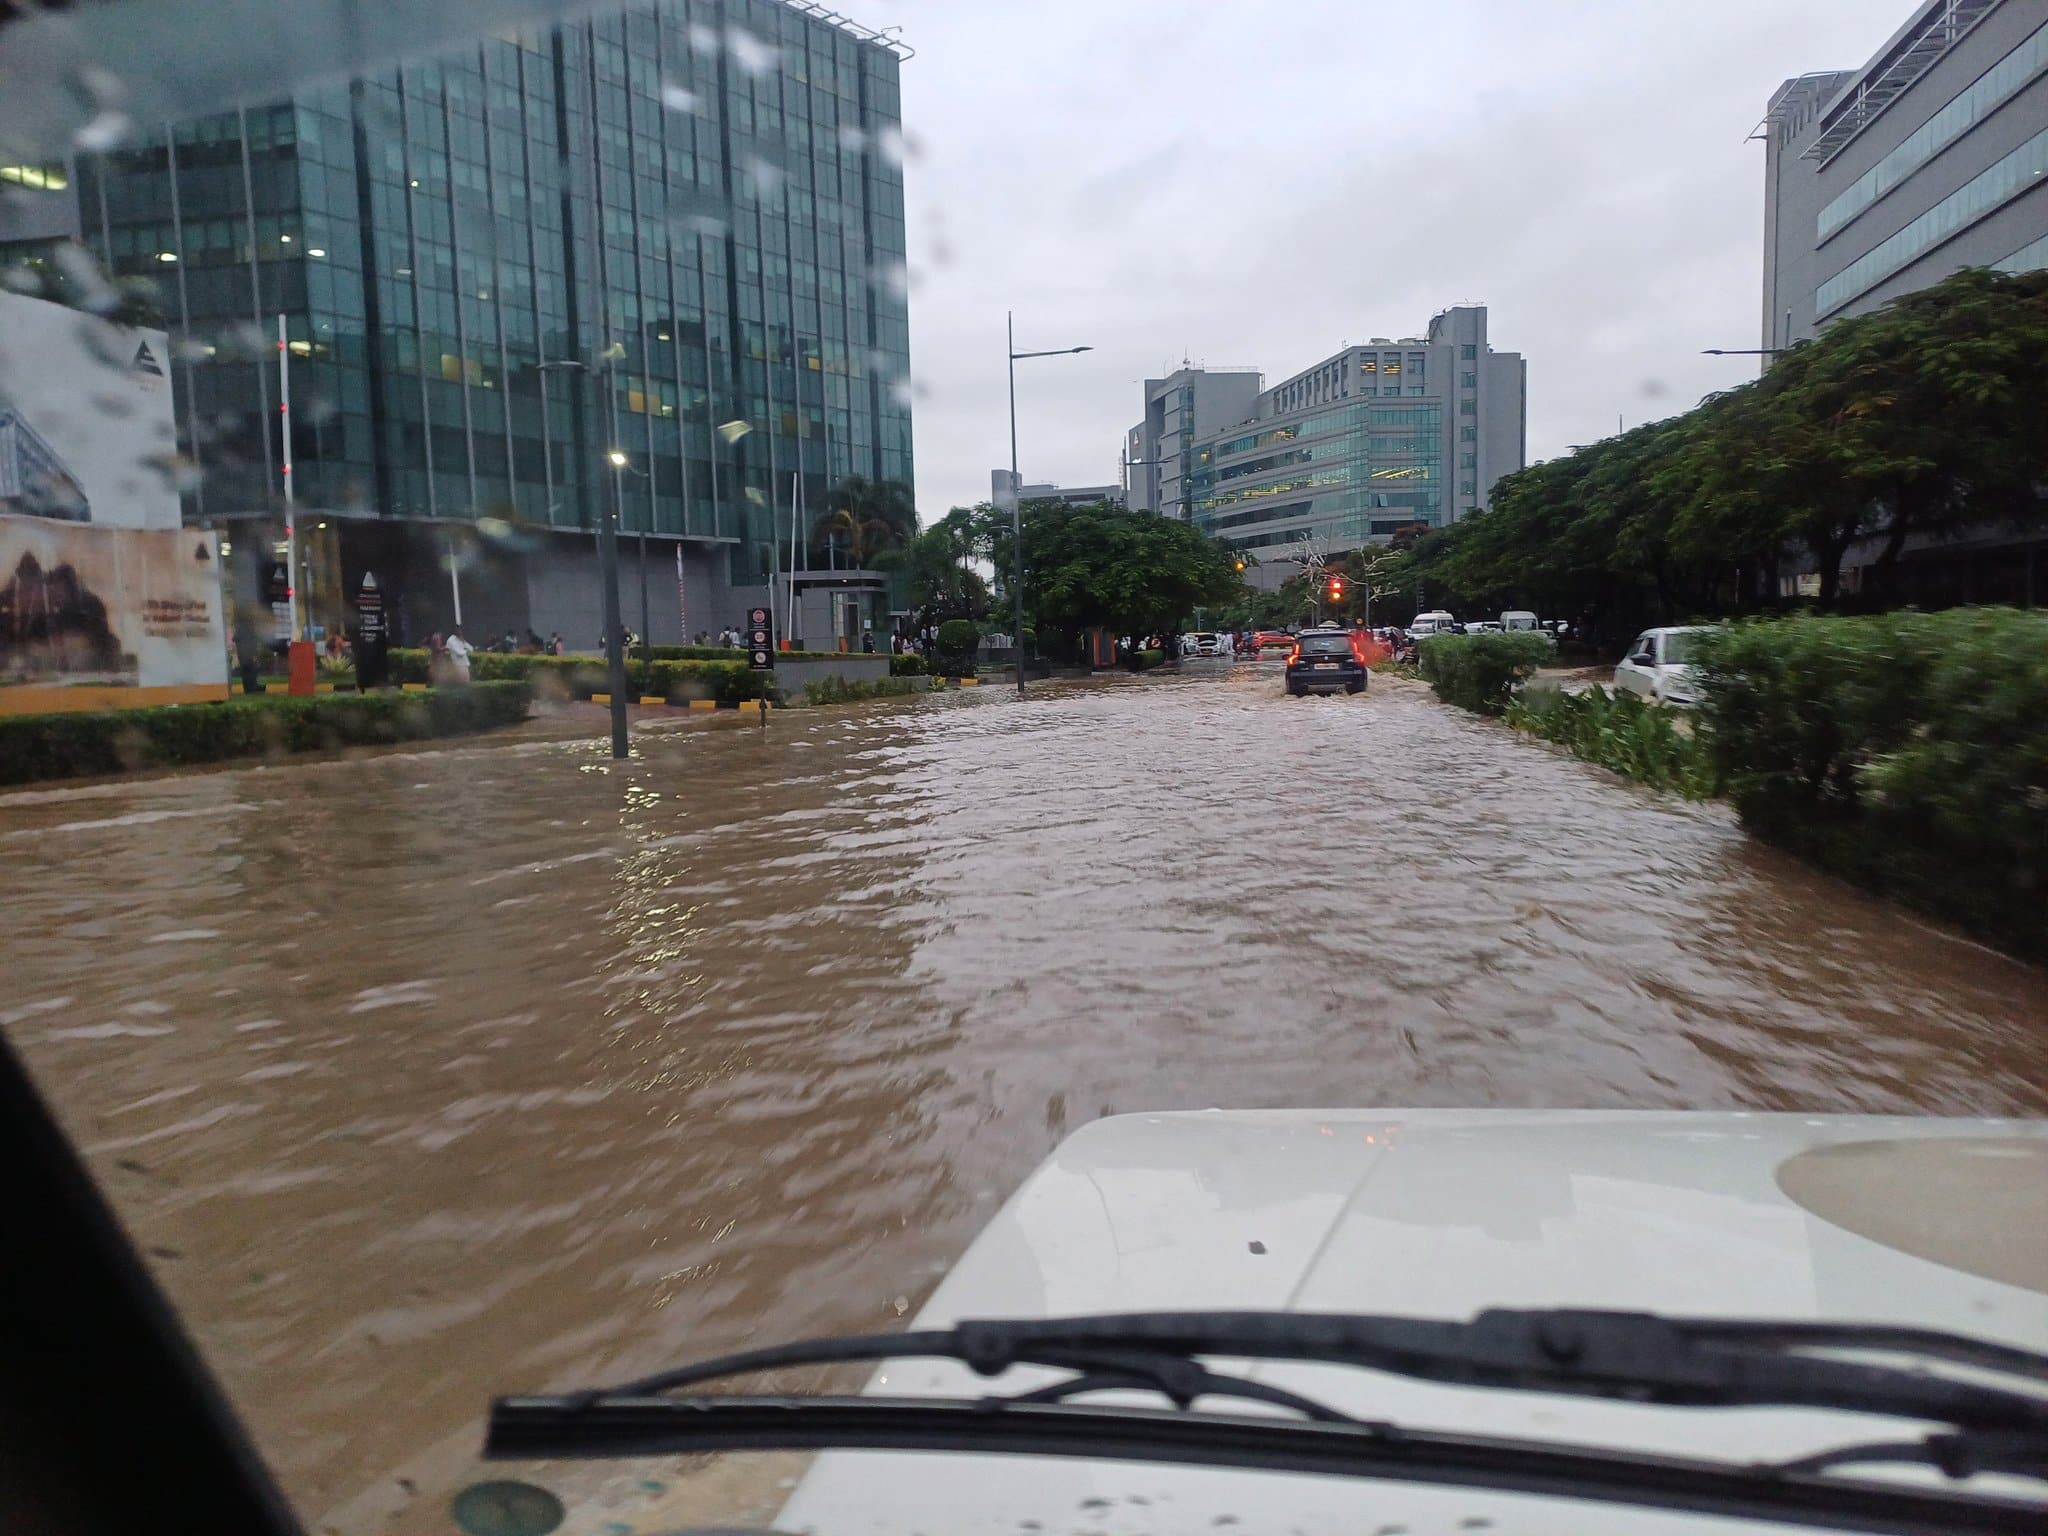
column 867, row 641
column 557, row 646
column 458, row 651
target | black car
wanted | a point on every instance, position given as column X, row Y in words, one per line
column 1325, row 659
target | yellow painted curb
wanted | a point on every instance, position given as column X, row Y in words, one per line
column 753, row 704
column 970, row 682
column 600, row 698
column 703, row 703
column 323, row 687
column 414, row 687
column 653, row 698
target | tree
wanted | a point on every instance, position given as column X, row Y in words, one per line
column 943, row 581
column 862, row 518
column 1103, row 566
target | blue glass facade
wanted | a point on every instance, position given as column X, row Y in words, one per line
column 703, row 199
column 1345, row 475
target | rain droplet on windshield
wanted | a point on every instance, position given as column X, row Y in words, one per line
column 679, row 98
column 754, row 55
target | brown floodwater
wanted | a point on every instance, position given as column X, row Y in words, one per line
column 445, row 1072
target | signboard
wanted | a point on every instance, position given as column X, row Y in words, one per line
column 761, row 639
column 98, row 618
column 373, row 637
column 86, row 430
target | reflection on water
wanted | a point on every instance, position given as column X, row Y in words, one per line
column 446, row 1072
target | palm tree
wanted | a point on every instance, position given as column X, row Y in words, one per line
column 863, row 518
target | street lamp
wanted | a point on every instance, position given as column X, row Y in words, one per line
column 1017, row 489
column 1742, row 351
column 622, row 463
column 608, row 575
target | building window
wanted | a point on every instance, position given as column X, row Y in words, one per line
column 1417, row 389
column 1468, row 488
column 1468, row 461
column 1969, row 107
column 1468, row 434
column 1981, row 195
column 1391, row 365
column 1469, row 379
column 1468, row 407
column 1468, row 351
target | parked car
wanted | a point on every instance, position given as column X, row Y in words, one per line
column 1271, row 640
column 1658, row 666
column 1324, row 660
column 1518, row 619
column 1202, row 642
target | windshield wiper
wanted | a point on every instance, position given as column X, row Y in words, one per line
column 1997, row 1425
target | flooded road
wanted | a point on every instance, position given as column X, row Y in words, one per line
column 444, row 1072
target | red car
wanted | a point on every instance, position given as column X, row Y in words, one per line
column 1271, row 640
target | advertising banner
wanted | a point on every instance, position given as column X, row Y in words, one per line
column 86, row 430
column 101, row 618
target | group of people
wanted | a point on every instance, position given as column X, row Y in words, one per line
column 448, row 655
column 727, row 637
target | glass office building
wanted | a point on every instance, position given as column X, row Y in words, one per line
column 1382, row 437
column 696, row 207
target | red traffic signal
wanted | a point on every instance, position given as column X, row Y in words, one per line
column 1336, row 589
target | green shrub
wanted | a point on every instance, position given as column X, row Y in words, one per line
column 1147, row 660
column 1481, row 672
column 838, row 690
column 909, row 664
column 1907, row 751
column 122, row 740
column 1621, row 732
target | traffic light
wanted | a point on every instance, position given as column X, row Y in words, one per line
column 1336, row 589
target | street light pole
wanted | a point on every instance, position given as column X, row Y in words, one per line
column 1017, row 491
column 608, row 577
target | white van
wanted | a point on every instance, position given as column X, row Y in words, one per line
column 1434, row 621
column 1518, row 619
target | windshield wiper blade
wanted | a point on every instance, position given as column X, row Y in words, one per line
column 1995, row 1426
column 1632, row 1356
column 611, row 1426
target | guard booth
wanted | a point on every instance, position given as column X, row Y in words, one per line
column 1099, row 647
column 834, row 608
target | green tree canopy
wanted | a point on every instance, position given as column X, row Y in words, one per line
column 1102, row 565
column 1919, row 418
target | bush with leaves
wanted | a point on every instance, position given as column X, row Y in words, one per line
column 1908, row 752
column 123, row 740
column 957, row 642
column 840, row 690
column 1481, row 672
column 1621, row 732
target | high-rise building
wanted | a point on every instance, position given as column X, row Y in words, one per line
column 1930, row 158
column 653, row 254
column 1184, row 406
column 1384, row 436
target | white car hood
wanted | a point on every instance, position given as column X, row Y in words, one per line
column 1938, row 1223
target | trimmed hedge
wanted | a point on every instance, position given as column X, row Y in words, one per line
column 958, row 640
column 1481, row 672
column 578, row 677
column 1621, row 732
column 1907, row 752
column 909, row 664
column 837, row 690
column 34, row 747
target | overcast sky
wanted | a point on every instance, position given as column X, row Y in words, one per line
column 1261, row 183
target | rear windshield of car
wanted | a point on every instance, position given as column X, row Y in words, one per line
column 1326, row 645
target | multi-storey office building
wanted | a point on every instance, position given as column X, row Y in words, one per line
column 1930, row 158
column 1378, row 438
column 673, row 234
column 1180, row 409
